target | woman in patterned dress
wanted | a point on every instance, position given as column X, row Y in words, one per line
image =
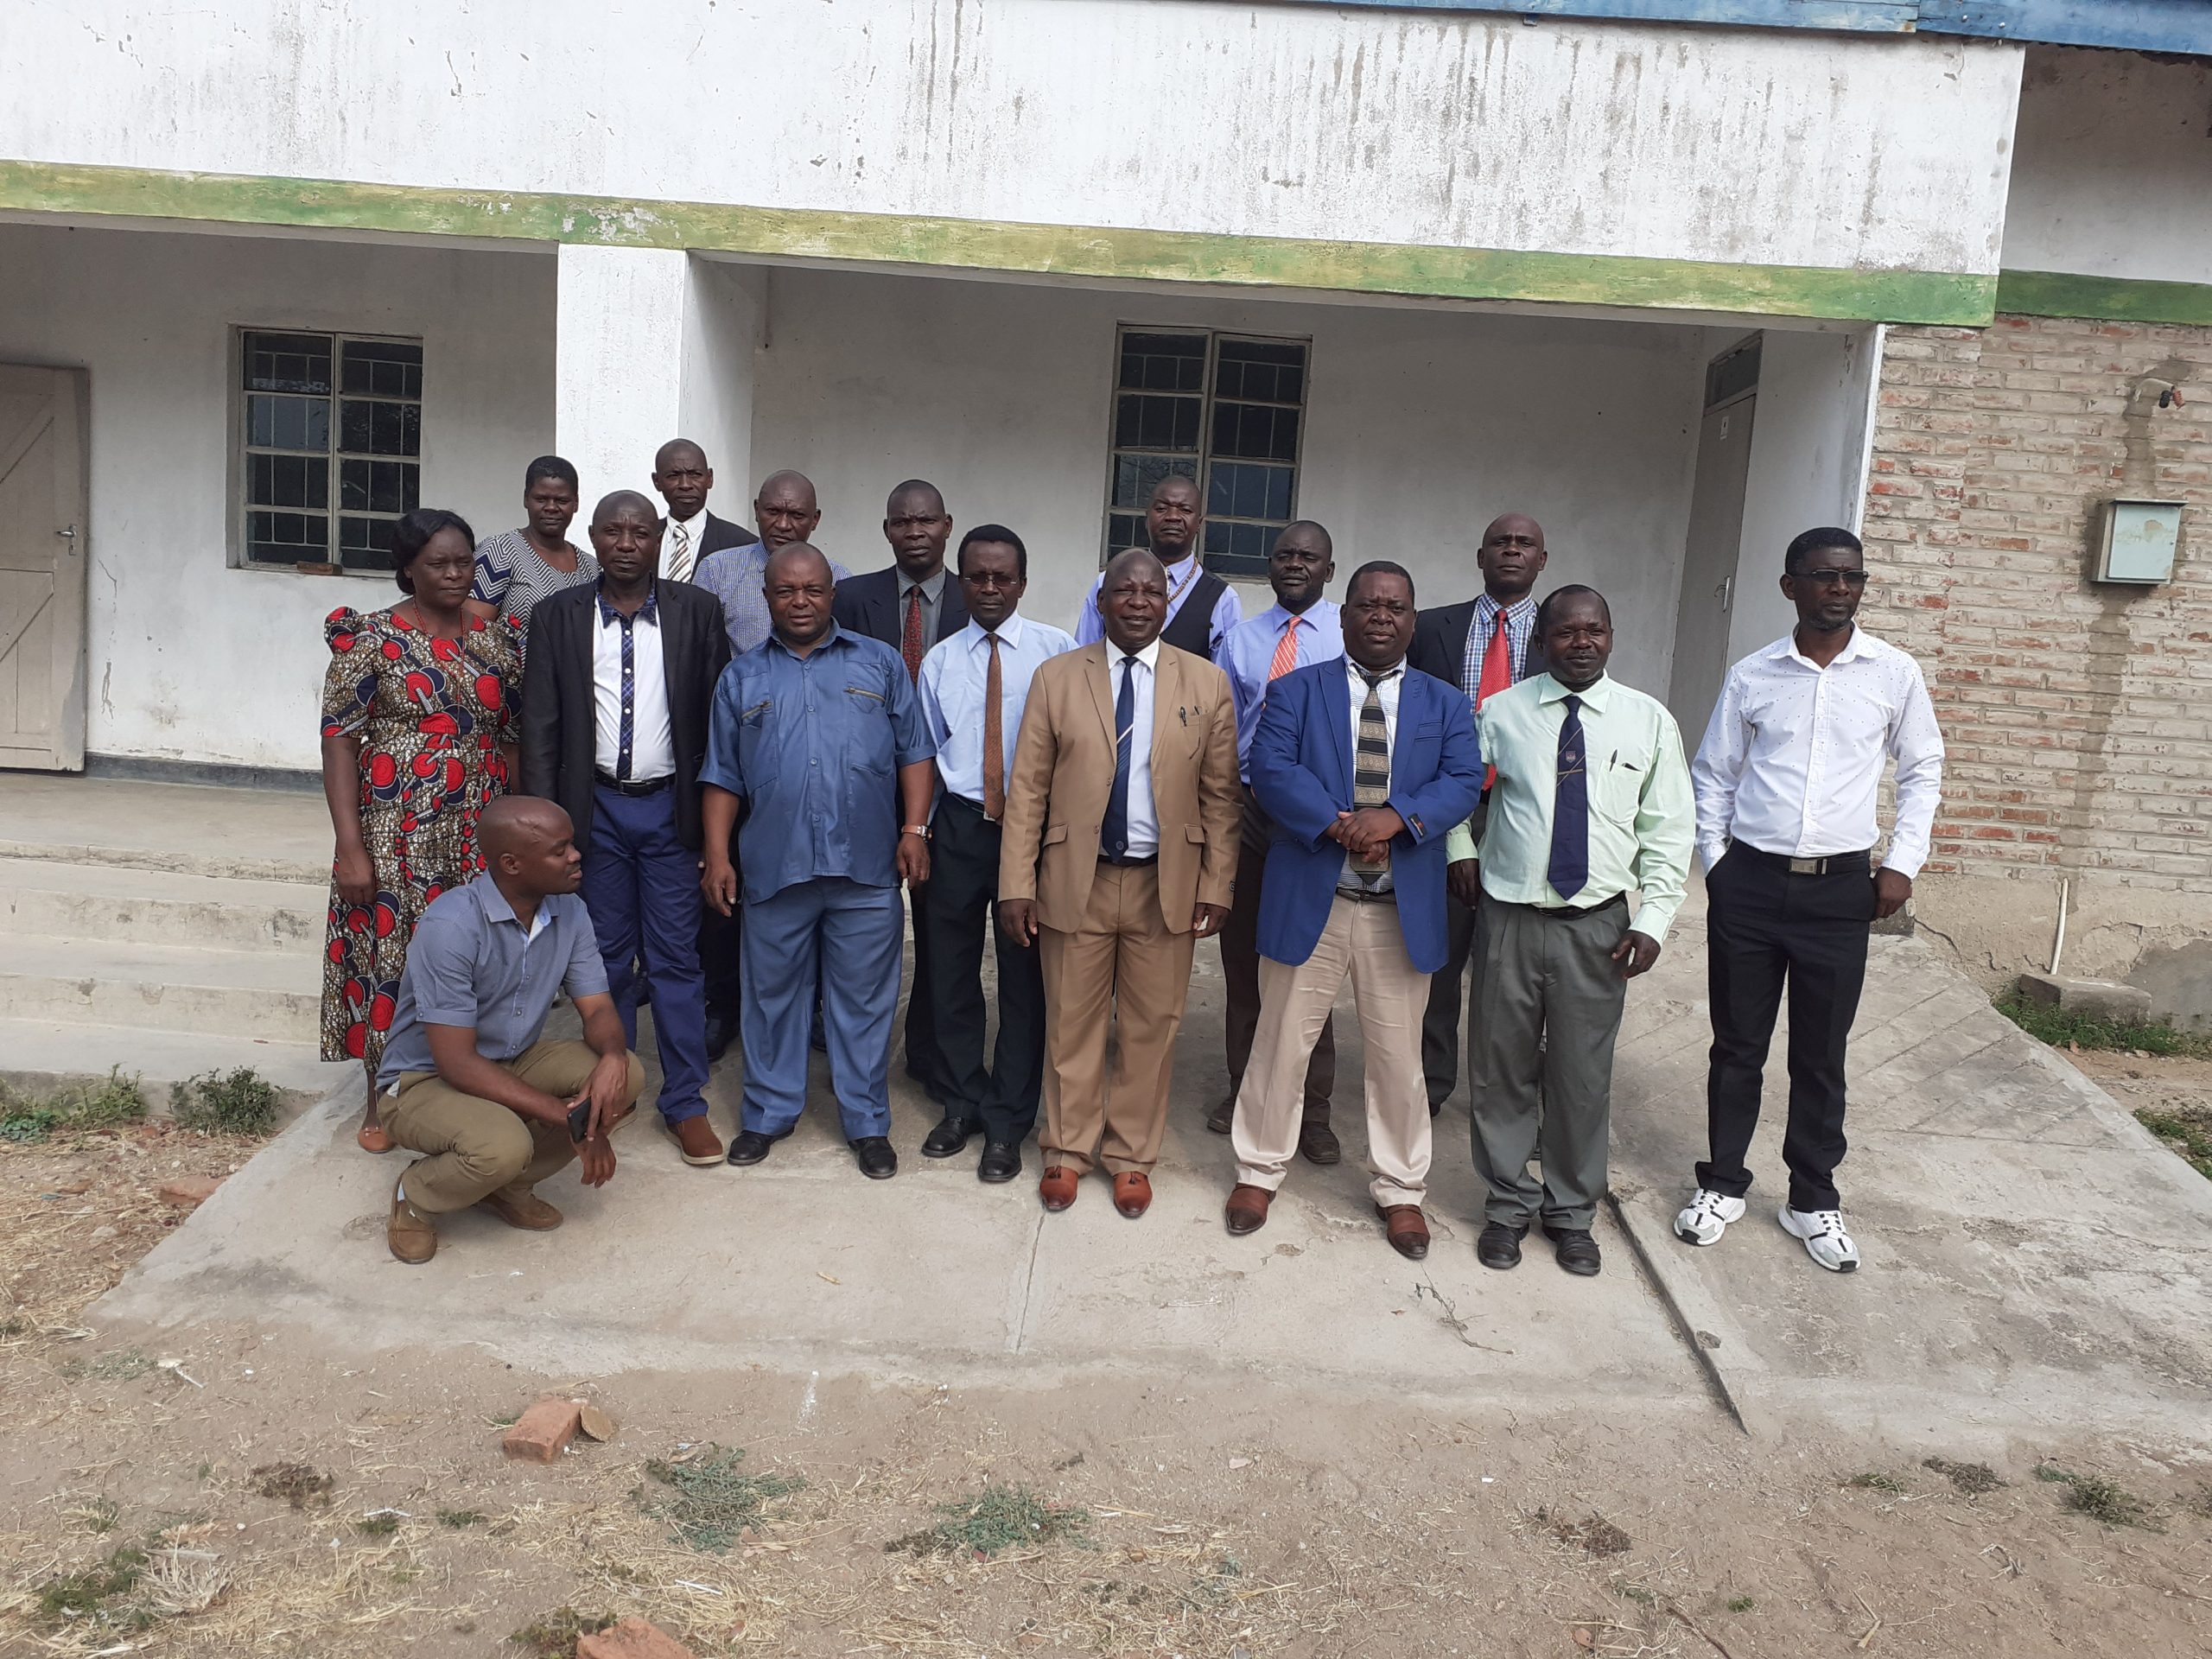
column 417, row 735
column 517, row 567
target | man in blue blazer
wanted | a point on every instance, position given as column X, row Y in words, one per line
column 1365, row 765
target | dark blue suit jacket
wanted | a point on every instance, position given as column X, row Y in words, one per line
column 1301, row 765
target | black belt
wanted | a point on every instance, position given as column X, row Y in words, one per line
column 1367, row 895
column 1569, row 913
column 950, row 799
column 634, row 787
column 1126, row 863
column 1833, row 864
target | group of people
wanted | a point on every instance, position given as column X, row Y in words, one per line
column 696, row 764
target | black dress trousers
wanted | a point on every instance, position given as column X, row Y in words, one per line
column 957, row 912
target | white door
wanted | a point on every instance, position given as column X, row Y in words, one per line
column 1716, row 534
column 43, row 555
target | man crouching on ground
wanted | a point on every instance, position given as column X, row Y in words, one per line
column 468, row 1081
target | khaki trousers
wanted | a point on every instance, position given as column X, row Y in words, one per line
column 1123, row 974
column 473, row 1146
column 1362, row 940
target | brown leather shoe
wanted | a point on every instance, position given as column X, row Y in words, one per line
column 1247, row 1209
column 1406, row 1228
column 412, row 1234
column 1223, row 1117
column 1317, row 1143
column 695, row 1140
column 1133, row 1193
column 1058, row 1188
column 519, row 1206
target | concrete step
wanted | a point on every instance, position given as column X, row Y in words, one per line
column 37, row 1054
column 122, row 904
column 163, row 987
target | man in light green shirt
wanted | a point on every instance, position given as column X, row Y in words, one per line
column 1592, row 799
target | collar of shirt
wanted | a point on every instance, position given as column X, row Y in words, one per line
column 932, row 587
column 649, row 612
column 1861, row 643
column 695, row 527
column 1359, row 676
column 494, row 905
column 836, row 636
column 1150, row 655
column 1009, row 633
column 1278, row 617
column 1595, row 695
column 1520, row 610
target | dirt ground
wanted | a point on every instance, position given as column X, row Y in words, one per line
column 2161, row 1082
column 1227, row 1517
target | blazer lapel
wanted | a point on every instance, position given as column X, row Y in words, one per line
column 1167, row 699
column 1101, row 680
column 1336, row 710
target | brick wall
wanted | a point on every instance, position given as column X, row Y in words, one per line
column 2078, row 715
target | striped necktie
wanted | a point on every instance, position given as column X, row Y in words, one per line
column 1286, row 657
column 1370, row 766
column 679, row 554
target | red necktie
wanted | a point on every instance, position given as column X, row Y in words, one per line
column 1286, row 657
column 910, row 647
column 1496, row 675
column 994, row 736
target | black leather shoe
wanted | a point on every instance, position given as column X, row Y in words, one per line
column 948, row 1138
column 878, row 1161
column 1499, row 1246
column 1317, row 1144
column 751, row 1145
column 1001, row 1161
column 1223, row 1117
column 721, row 1035
column 1575, row 1250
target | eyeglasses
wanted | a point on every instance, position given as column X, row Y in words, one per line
column 1834, row 578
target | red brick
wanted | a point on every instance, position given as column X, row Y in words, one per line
column 633, row 1639
column 539, row 1434
column 190, row 1191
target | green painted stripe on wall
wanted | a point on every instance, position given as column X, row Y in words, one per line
column 982, row 244
column 2106, row 299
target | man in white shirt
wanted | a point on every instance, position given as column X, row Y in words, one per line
column 1787, row 780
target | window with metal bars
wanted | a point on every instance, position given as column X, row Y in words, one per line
column 1226, row 410
column 330, row 446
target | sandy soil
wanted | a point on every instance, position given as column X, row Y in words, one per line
column 1226, row 1521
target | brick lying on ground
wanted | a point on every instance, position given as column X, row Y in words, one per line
column 540, row 1434
column 190, row 1191
column 633, row 1638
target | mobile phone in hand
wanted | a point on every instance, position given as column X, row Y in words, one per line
column 580, row 1119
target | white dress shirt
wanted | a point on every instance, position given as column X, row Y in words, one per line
column 653, row 746
column 695, row 528
column 1792, row 761
column 1144, row 818
column 1386, row 692
column 955, row 674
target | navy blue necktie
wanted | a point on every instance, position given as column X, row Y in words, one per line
column 1114, row 834
column 1569, row 870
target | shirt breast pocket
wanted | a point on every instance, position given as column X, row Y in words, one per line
column 1616, row 791
column 868, row 746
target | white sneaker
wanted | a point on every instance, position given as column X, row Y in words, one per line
column 1825, row 1240
column 1706, row 1217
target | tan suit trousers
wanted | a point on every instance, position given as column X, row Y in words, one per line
column 474, row 1146
column 1122, row 973
column 1363, row 941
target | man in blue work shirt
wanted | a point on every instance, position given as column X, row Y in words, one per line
column 818, row 732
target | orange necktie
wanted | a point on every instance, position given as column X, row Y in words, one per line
column 1496, row 675
column 1286, row 657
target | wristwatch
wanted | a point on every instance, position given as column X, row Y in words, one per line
column 921, row 830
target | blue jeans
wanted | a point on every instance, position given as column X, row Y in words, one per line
column 852, row 933
column 641, row 885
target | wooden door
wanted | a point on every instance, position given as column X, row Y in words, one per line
column 43, row 558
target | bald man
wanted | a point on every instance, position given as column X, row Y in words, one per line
column 469, row 1081
column 615, row 729
column 1482, row 645
column 1201, row 607
column 684, row 477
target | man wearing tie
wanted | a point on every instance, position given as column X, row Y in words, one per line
column 1590, row 796
column 974, row 686
column 1483, row 645
column 911, row 607
column 689, row 532
column 1300, row 628
column 1119, row 854
column 1201, row 607
column 1363, row 768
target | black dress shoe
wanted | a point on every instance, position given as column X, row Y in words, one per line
column 1499, row 1246
column 1001, row 1161
column 1222, row 1118
column 721, row 1033
column 751, row 1145
column 878, row 1161
column 1318, row 1144
column 1575, row 1250
column 948, row 1138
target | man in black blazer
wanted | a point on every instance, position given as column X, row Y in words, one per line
column 1481, row 644
column 682, row 476
column 616, row 700
column 909, row 608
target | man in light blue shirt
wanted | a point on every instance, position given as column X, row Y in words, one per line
column 973, row 689
column 1201, row 607
column 819, row 732
column 1300, row 628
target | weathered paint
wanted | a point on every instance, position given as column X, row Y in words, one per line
column 1090, row 252
column 2115, row 299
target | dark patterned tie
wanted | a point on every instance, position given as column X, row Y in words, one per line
column 1370, row 766
column 1569, row 870
column 910, row 644
column 1113, row 833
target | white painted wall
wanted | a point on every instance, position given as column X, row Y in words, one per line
column 1422, row 426
column 1771, row 146
column 2112, row 173
column 189, row 657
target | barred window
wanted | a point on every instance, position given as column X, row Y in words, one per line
column 330, row 440
column 1226, row 410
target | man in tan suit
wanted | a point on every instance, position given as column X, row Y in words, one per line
column 1119, row 855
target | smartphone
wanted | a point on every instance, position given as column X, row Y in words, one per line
column 580, row 1119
